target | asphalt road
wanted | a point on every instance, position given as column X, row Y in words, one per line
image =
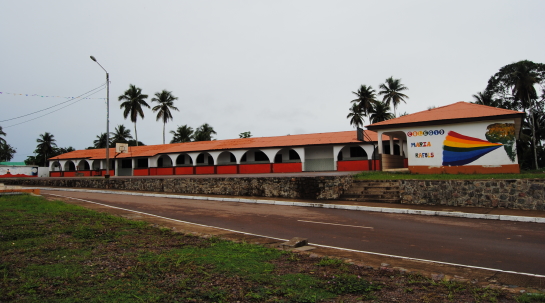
column 511, row 246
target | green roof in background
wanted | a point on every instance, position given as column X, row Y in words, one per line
column 13, row 163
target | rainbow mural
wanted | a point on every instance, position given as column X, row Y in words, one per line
column 461, row 150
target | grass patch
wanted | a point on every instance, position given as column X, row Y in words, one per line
column 380, row 175
column 56, row 252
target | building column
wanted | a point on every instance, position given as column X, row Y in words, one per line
column 401, row 146
column 379, row 137
column 391, row 144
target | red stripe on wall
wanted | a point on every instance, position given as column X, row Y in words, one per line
column 227, row 169
column 287, row 167
column 140, row 172
column 359, row 165
column 183, row 170
column 204, row 170
column 254, row 168
column 165, row 171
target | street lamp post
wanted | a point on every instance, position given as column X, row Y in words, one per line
column 107, row 119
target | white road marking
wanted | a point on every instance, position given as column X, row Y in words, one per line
column 313, row 244
column 335, row 224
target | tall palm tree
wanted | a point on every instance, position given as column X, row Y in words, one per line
column 204, row 133
column 381, row 112
column 133, row 101
column 182, row 134
column 46, row 145
column 355, row 115
column 392, row 91
column 523, row 80
column 121, row 134
column 365, row 100
column 166, row 103
column 100, row 142
column 485, row 97
column 2, row 133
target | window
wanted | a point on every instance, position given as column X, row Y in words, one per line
column 260, row 156
column 200, row 158
column 160, row 162
column 142, row 163
column 126, row 163
column 278, row 158
column 180, row 160
column 243, row 159
column 233, row 159
column 356, row 152
column 294, row 155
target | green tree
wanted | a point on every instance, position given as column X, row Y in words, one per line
column 166, row 103
column 204, row 133
column 100, row 142
column 6, row 152
column 46, row 146
column 366, row 99
column 135, row 143
column 2, row 133
column 514, row 85
column 381, row 112
column 121, row 135
column 392, row 90
column 355, row 115
column 486, row 98
column 245, row 135
column 182, row 134
column 133, row 101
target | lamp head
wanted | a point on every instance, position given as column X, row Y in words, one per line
column 93, row 58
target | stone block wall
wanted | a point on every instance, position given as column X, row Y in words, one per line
column 513, row 194
column 319, row 188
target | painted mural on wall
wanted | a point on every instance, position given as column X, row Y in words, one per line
column 18, row 171
column 503, row 133
column 472, row 143
column 461, row 150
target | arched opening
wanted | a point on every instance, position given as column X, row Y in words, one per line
column 254, row 157
column 56, row 166
column 164, row 161
column 184, row 160
column 352, row 153
column 69, row 166
column 205, row 159
column 287, row 155
column 96, row 165
column 83, row 165
column 227, row 158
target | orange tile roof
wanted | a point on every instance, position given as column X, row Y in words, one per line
column 345, row 137
column 457, row 111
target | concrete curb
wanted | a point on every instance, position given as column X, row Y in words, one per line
column 317, row 205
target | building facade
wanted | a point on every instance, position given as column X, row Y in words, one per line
column 336, row 151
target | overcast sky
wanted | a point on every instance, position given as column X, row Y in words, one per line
column 270, row 67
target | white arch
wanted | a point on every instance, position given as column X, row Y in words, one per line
column 67, row 165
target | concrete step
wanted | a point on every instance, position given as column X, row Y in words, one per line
column 373, row 191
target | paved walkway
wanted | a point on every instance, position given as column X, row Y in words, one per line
column 426, row 210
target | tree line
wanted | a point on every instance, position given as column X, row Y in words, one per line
column 133, row 102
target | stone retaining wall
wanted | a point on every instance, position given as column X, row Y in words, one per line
column 319, row 188
column 513, row 194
